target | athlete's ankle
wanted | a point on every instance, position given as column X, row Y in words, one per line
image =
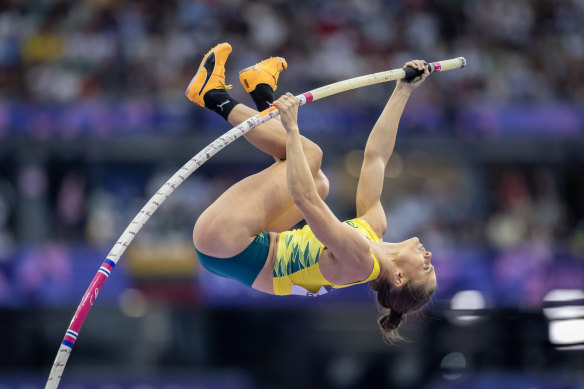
column 263, row 96
column 219, row 101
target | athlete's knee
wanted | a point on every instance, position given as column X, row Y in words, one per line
column 208, row 230
column 313, row 154
column 199, row 235
column 322, row 184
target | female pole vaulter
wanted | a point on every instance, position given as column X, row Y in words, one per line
column 245, row 234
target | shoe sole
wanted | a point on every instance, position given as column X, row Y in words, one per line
column 204, row 66
column 257, row 65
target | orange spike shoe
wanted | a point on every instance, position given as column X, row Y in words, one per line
column 211, row 74
column 265, row 72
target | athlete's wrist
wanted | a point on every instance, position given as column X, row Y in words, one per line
column 291, row 128
column 404, row 89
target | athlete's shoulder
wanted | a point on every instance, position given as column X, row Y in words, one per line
column 364, row 228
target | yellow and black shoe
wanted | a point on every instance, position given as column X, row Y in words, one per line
column 211, row 74
column 261, row 80
column 265, row 72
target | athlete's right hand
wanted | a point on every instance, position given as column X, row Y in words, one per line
column 288, row 106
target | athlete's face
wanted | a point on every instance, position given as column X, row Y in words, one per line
column 415, row 263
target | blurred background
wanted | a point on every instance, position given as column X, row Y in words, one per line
column 488, row 172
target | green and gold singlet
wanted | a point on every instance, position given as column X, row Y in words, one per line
column 296, row 267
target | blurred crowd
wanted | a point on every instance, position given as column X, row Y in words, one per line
column 77, row 54
column 64, row 50
column 487, row 172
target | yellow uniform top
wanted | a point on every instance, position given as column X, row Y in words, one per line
column 296, row 268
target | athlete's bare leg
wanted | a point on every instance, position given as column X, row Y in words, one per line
column 259, row 202
column 269, row 137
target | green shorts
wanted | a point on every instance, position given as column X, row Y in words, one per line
column 245, row 266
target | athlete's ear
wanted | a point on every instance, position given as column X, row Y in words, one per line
column 398, row 279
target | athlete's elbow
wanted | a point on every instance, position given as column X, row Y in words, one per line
column 299, row 196
column 302, row 196
column 372, row 157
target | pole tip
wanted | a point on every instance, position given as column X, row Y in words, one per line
column 462, row 62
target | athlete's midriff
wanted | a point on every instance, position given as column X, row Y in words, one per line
column 264, row 282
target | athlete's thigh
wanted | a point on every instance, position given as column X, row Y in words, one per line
column 292, row 215
column 243, row 211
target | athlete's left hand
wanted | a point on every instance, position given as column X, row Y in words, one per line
column 417, row 64
column 288, row 106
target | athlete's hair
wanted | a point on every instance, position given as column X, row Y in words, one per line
column 398, row 301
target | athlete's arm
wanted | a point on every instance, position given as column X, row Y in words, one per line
column 378, row 150
column 345, row 243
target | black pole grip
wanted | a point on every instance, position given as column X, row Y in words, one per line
column 412, row 73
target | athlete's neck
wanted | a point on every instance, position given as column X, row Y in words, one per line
column 387, row 254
